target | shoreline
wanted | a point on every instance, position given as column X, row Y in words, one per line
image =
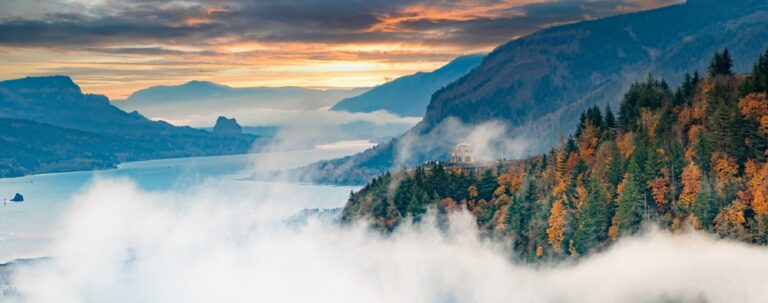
column 332, row 145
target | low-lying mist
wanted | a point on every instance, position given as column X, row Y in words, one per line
column 218, row 244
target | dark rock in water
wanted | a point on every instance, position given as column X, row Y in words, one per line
column 226, row 126
column 18, row 198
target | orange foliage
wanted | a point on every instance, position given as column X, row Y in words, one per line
column 725, row 167
column 660, row 187
column 730, row 222
column 572, row 160
column 756, row 106
column 588, row 142
column 626, row 144
column 693, row 132
column 557, row 223
column 512, row 179
column 691, row 179
column 758, row 186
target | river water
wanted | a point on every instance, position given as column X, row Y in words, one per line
column 27, row 228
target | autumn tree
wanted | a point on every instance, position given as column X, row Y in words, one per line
column 557, row 225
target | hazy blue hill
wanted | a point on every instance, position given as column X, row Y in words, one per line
column 28, row 147
column 206, row 98
column 539, row 84
column 50, row 125
column 409, row 95
column 57, row 100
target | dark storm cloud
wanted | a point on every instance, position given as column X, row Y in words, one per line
column 334, row 21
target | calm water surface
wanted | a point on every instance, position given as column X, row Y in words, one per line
column 27, row 228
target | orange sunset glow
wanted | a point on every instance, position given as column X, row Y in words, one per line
column 116, row 47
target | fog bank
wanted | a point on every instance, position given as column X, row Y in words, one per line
column 214, row 244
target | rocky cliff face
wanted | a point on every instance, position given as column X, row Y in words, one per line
column 226, row 126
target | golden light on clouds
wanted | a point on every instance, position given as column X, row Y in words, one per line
column 115, row 47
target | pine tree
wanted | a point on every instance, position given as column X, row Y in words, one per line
column 721, row 64
column 593, row 219
column 706, row 206
column 631, row 203
column 758, row 80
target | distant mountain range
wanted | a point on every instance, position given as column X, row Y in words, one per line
column 409, row 95
column 207, row 99
column 47, row 124
column 537, row 85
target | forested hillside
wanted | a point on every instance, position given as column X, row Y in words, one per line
column 539, row 84
column 690, row 157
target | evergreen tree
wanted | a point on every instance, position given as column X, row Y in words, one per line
column 593, row 219
column 615, row 166
column 758, row 79
column 631, row 203
column 610, row 120
column 706, row 206
column 721, row 64
column 702, row 153
column 487, row 185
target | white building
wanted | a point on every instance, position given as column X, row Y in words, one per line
column 462, row 154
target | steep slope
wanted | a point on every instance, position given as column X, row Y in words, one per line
column 409, row 95
column 50, row 119
column 201, row 98
column 537, row 85
column 691, row 158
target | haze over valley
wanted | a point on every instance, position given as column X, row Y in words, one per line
column 384, row 151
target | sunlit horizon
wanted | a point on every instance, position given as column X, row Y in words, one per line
column 116, row 48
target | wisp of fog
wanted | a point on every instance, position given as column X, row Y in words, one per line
column 216, row 244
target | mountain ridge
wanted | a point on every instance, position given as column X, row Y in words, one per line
column 409, row 95
column 538, row 84
column 34, row 108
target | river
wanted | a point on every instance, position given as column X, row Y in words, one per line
column 28, row 228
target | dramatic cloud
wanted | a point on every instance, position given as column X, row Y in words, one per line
column 334, row 43
column 120, row 244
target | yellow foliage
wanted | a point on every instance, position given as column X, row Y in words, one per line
column 730, row 222
column 626, row 144
column 588, row 142
column 512, row 179
column 557, row 223
column 725, row 167
column 691, row 179
column 756, row 106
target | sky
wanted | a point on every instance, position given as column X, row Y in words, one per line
column 115, row 47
